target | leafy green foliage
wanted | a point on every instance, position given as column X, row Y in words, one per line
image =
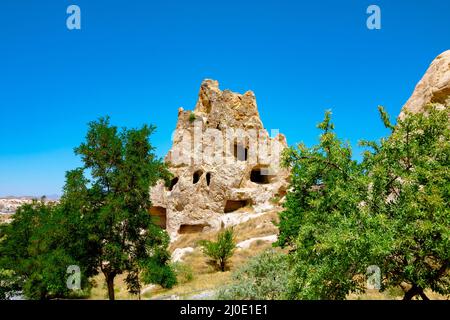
column 264, row 277
column 409, row 192
column 37, row 247
column 184, row 272
column 122, row 167
column 101, row 224
column 391, row 210
column 221, row 250
column 192, row 117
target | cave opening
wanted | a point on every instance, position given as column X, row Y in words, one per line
column 208, row 178
column 233, row 205
column 191, row 228
column 173, row 183
column 160, row 216
column 196, row 176
column 240, row 152
column 261, row 175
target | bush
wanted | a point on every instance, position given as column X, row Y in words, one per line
column 263, row 277
column 192, row 117
column 391, row 210
column 184, row 272
column 219, row 252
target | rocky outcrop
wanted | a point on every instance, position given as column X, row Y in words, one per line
column 223, row 162
column 9, row 205
column 433, row 88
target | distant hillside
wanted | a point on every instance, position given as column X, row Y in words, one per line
column 9, row 204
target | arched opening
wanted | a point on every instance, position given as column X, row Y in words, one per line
column 173, row 183
column 159, row 216
column 196, row 176
column 261, row 175
column 233, row 205
column 240, row 152
column 208, row 178
column 191, row 228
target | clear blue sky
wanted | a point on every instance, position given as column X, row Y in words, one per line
column 138, row 61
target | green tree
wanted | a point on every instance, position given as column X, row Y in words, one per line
column 409, row 192
column 391, row 210
column 220, row 251
column 37, row 248
column 320, row 220
column 115, row 202
column 101, row 223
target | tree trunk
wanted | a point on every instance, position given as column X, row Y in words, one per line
column 411, row 293
column 110, row 284
column 414, row 291
column 422, row 295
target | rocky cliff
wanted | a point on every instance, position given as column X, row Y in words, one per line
column 433, row 88
column 224, row 164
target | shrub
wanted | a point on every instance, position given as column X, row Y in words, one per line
column 220, row 251
column 184, row 272
column 192, row 117
column 263, row 277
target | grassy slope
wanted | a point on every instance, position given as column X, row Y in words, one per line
column 204, row 277
column 207, row 279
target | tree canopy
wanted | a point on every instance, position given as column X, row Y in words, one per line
column 101, row 224
column 390, row 210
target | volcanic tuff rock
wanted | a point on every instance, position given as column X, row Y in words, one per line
column 223, row 161
column 434, row 87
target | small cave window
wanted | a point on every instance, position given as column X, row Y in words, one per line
column 191, row 228
column 208, row 178
column 233, row 205
column 196, row 176
column 261, row 175
column 240, row 152
column 173, row 183
column 160, row 216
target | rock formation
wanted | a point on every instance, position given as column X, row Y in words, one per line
column 223, row 161
column 433, row 88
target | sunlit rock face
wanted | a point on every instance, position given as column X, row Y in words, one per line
column 433, row 88
column 223, row 162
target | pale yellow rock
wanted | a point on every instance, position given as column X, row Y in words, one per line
column 433, row 88
column 222, row 159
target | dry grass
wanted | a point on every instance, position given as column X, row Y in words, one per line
column 200, row 283
column 391, row 294
column 257, row 227
column 100, row 292
column 206, row 278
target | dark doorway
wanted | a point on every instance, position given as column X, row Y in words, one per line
column 173, row 183
column 159, row 215
column 191, row 228
column 240, row 152
column 261, row 175
column 233, row 205
column 197, row 175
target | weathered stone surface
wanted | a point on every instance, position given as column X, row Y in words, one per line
column 434, row 87
column 222, row 159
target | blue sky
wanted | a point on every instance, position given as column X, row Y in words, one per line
column 138, row 61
